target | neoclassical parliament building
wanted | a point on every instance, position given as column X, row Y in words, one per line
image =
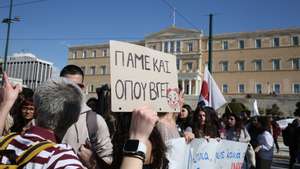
column 258, row 63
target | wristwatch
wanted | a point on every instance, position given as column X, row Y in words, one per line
column 135, row 148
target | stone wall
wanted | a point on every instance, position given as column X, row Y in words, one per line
column 286, row 103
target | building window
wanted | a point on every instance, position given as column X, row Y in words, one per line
column 83, row 69
column 153, row 47
column 258, row 88
column 74, row 55
column 241, row 65
column 94, row 53
column 92, row 70
column 276, row 88
column 189, row 66
column 172, row 43
column 225, row 88
column 296, row 64
column 178, row 64
column 276, row 64
column 296, row 88
column 295, row 40
column 190, row 46
column 241, row 44
column 166, row 46
column 241, row 88
column 84, row 54
column 257, row 43
column 225, row 44
column 177, row 46
column 258, row 65
column 91, row 88
column 103, row 70
column 224, row 66
column 276, row 42
column 104, row 52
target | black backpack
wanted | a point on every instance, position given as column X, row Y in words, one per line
column 287, row 134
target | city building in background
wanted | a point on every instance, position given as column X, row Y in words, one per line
column 246, row 64
column 184, row 43
column 29, row 68
column 262, row 62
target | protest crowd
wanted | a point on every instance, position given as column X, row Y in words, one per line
column 55, row 126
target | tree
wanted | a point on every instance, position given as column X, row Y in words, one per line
column 274, row 111
column 297, row 111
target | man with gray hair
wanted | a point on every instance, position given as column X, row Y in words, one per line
column 58, row 105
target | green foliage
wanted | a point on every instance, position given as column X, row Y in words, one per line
column 274, row 111
column 297, row 111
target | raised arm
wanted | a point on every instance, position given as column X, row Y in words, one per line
column 8, row 96
column 142, row 122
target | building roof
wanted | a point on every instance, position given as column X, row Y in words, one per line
column 172, row 32
column 104, row 45
column 258, row 33
column 26, row 57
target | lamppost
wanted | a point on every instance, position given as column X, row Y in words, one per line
column 8, row 21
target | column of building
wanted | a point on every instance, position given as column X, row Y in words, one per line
column 189, row 91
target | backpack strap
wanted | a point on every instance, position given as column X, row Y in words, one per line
column 91, row 124
column 30, row 153
column 5, row 140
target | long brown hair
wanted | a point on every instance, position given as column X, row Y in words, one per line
column 212, row 124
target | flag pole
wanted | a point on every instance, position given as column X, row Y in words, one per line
column 210, row 44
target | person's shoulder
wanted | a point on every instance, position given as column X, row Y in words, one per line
column 65, row 153
column 100, row 120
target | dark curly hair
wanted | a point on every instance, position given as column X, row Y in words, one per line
column 212, row 124
column 238, row 122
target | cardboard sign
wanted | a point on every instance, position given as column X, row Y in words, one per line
column 142, row 76
column 223, row 154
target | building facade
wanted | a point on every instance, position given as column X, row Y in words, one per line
column 184, row 43
column 262, row 62
column 249, row 63
column 94, row 62
column 29, row 68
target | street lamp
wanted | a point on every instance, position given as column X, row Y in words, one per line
column 8, row 21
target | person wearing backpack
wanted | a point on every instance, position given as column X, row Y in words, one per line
column 80, row 134
column 57, row 104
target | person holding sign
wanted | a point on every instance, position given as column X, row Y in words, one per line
column 205, row 125
column 235, row 131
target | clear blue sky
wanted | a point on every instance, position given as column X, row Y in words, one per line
column 48, row 27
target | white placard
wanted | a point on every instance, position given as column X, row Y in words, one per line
column 200, row 153
column 142, row 76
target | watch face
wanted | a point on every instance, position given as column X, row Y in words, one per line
column 131, row 145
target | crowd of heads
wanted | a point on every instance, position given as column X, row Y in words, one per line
column 56, row 105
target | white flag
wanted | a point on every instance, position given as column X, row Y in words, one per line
column 210, row 94
column 255, row 111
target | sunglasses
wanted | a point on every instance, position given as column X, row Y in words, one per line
column 80, row 85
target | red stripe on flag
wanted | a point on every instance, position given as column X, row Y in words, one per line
column 204, row 91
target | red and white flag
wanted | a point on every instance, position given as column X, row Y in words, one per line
column 210, row 94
